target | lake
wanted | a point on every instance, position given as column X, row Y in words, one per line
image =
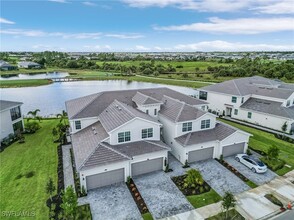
column 50, row 99
column 34, row 76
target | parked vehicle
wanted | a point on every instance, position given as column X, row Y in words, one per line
column 252, row 163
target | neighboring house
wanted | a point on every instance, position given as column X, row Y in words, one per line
column 117, row 134
column 6, row 66
column 29, row 65
column 258, row 100
column 11, row 117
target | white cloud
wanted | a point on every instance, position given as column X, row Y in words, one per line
column 158, row 48
column 219, row 45
column 42, row 47
column 59, row 1
column 141, row 48
column 125, row 36
column 5, row 21
column 237, row 26
column 89, row 4
column 90, row 48
column 281, row 7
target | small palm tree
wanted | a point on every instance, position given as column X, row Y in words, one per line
column 34, row 115
column 62, row 116
column 228, row 202
column 193, row 178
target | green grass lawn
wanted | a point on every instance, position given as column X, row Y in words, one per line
column 232, row 214
column 204, row 199
column 262, row 140
column 147, row 216
column 24, row 83
column 25, row 170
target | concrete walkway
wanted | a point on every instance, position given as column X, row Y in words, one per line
column 67, row 167
column 258, row 127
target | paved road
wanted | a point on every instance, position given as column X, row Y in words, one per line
column 289, row 215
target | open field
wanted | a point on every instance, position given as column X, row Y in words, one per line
column 24, row 83
column 25, row 170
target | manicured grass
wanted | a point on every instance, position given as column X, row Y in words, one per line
column 251, row 184
column 262, row 140
column 84, row 212
column 232, row 214
column 147, row 216
column 24, row 83
column 25, row 170
column 204, row 199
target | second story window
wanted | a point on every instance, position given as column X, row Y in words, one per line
column 249, row 115
column 288, row 103
column 147, row 112
column 187, row 126
column 205, row 124
column 15, row 113
column 124, row 136
column 234, row 99
column 78, row 125
column 203, row 95
column 242, row 100
column 155, row 111
column 147, row 133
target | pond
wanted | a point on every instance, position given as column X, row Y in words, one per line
column 50, row 99
column 34, row 76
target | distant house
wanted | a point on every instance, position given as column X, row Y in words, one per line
column 11, row 117
column 6, row 66
column 258, row 100
column 29, row 65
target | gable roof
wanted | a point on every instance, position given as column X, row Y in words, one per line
column 219, row 133
column 118, row 113
column 4, row 104
column 268, row 107
column 252, row 85
column 178, row 111
column 142, row 99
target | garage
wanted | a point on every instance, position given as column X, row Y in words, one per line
column 106, row 178
column 198, row 155
column 147, row 166
column 233, row 149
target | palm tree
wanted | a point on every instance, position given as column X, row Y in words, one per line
column 193, row 178
column 62, row 116
column 34, row 115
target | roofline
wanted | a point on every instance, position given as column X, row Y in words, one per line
column 11, row 107
column 278, row 116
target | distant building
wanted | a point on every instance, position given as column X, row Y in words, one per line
column 11, row 118
column 29, row 65
column 6, row 66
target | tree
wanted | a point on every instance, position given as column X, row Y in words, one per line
column 34, row 115
column 273, row 152
column 193, row 177
column 228, row 202
column 69, row 203
column 63, row 117
column 284, row 127
column 50, row 187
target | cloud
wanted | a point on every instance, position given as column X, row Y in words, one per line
column 237, row 26
column 89, row 4
column 124, row 36
column 89, row 48
column 141, row 48
column 5, row 21
column 59, row 1
column 219, row 45
column 281, row 7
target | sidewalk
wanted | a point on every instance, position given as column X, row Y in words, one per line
column 67, row 167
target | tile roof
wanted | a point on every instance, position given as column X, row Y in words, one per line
column 118, row 113
column 253, row 85
column 220, row 132
column 178, row 111
column 8, row 104
column 268, row 107
column 142, row 99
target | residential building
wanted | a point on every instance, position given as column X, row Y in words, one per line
column 29, row 65
column 6, row 66
column 117, row 134
column 11, row 118
column 258, row 100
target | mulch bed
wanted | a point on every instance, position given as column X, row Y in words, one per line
column 232, row 169
column 188, row 191
column 137, row 197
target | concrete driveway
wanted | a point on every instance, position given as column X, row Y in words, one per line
column 258, row 178
column 161, row 195
column 220, row 178
column 111, row 202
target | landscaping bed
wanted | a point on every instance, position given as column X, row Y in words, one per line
column 274, row 200
column 232, row 214
column 84, row 212
column 274, row 165
column 137, row 197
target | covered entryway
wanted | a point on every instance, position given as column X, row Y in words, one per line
column 233, row 149
column 202, row 154
column 106, row 178
column 147, row 166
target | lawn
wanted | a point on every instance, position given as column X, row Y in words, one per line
column 204, row 199
column 147, row 216
column 24, row 83
column 25, row 169
column 232, row 214
column 262, row 141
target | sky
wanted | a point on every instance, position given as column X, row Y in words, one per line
column 147, row 25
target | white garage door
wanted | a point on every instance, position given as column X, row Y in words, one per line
column 106, row 178
column 233, row 149
column 147, row 166
column 202, row 154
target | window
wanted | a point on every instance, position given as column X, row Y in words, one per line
column 155, row 111
column 78, row 125
column 15, row 113
column 288, row 102
column 147, row 133
column 234, row 99
column 236, row 112
column 203, row 95
column 205, row 124
column 242, row 100
column 124, row 136
column 17, row 126
column 187, row 126
column 147, row 112
column 249, row 115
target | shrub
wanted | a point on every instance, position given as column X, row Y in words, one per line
column 166, row 168
column 193, row 178
column 273, row 152
column 274, row 200
column 221, row 158
column 248, row 152
column 186, row 165
column 273, row 164
column 129, row 180
column 32, row 126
